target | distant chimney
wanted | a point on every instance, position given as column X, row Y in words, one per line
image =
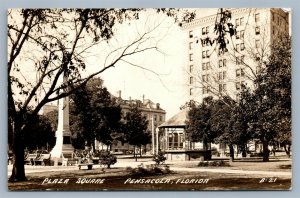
column 119, row 94
column 143, row 98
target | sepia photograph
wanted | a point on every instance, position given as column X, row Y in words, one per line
column 149, row 99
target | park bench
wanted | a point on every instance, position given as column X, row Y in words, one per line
column 42, row 159
column 89, row 166
column 29, row 158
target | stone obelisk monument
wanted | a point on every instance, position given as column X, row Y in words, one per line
column 63, row 134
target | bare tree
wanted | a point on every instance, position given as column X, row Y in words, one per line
column 47, row 45
column 244, row 55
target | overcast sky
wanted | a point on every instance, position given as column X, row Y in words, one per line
column 168, row 88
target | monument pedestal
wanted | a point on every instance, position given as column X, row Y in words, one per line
column 63, row 147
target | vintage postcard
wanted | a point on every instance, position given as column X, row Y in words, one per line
column 149, row 99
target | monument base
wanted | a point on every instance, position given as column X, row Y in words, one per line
column 63, row 148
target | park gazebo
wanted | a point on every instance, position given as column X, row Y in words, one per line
column 174, row 142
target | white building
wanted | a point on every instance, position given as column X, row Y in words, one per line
column 211, row 73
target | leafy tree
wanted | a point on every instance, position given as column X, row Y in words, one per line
column 53, row 119
column 233, row 120
column 39, row 134
column 271, row 100
column 278, row 78
column 97, row 113
column 199, row 126
column 61, row 40
column 222, row 111
column 135, row 129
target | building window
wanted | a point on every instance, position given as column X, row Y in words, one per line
column 203, row 54
column 207, row 65
column 191, row 91
column 242, row 46
column 257, row 30
column 256, row 17
column 222, row 88
column 191, row 34
column 205, row 30
column 237, row 22
column 238, row 86
column 205, row 90
column 238, row 33
column 160, row 118
column 191, row 57
column 203, row 66
column 222, row 75
column 191, row 80
column 155, row 117
column 257, row 43
column 237, row 47
column 205, row 78
column 191, row 45
column 222, row 63
column 191, row 68
column 240, row 73
column 242, row 33
column 242, row 59
column 207, row 54
column 242, row 21
column 238, row 60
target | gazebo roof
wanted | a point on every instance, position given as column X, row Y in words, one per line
column 177, row 121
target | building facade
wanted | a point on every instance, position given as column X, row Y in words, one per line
column 152, row 112
column 213, row 73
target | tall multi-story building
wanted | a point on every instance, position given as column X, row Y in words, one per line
column 213, row 73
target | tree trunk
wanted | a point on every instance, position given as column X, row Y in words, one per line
column 266, row 151
column 244, row 151
column 134, row 155
column 287, row 149
column 140, row 151
column 231, row 150
column 18, row 171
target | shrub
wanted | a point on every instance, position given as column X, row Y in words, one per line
column 219, row 163
column 159, row 158
column 106, row 158
column 141, row 170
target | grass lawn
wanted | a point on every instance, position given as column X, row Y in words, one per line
column 248, row 164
